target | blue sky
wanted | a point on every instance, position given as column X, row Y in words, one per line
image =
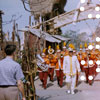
column 12, row 7
column 82, row 26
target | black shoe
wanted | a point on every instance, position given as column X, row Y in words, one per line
column 52, row 80
column 58, row 82
column 45, row 88
column 60, row 86
column 87, row 82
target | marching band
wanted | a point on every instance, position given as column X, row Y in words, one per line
column 69, row 63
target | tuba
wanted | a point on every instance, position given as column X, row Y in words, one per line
column 41, row 63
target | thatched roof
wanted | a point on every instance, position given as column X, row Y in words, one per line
column 41, row 34
column 42, row 7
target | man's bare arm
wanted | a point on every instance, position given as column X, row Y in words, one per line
column 21, row 88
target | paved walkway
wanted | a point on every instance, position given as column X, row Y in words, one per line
column 83, row 91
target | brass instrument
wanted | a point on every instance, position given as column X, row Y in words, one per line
column 41, row 63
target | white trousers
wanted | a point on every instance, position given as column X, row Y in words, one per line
column 71, row 80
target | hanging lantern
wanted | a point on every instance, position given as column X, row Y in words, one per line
column 90, row 47
column 90, row 77
column 97, row 39
column 83, row 78
column 98, row 62
column 97, row 8
column 82, row 8
column 97, row 46
column 90, row 16
column 82, row 62
column 90, row 62
column 97, row 16
column 97, row 70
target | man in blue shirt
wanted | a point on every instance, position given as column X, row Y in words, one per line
column 11, row 76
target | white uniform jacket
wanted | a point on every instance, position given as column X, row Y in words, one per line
column 67, row 64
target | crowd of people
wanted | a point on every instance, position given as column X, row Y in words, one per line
column 66, row 64
column 70, row 63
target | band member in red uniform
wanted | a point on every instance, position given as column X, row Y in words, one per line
column 43, row 72
column 80, row 56
column 59, row 67
column 91, row 68
column 52, row 63
column 86, row 70
column 65, row 51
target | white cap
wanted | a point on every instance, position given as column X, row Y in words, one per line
column 64, row 47
column 58, row 50
column 74, row 50
column 43, row 54
column 86, row 49
column 70, row 49
column 80, row 49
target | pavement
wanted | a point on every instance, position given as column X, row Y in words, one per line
column 82, row 92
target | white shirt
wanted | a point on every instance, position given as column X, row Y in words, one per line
column 67, row 65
